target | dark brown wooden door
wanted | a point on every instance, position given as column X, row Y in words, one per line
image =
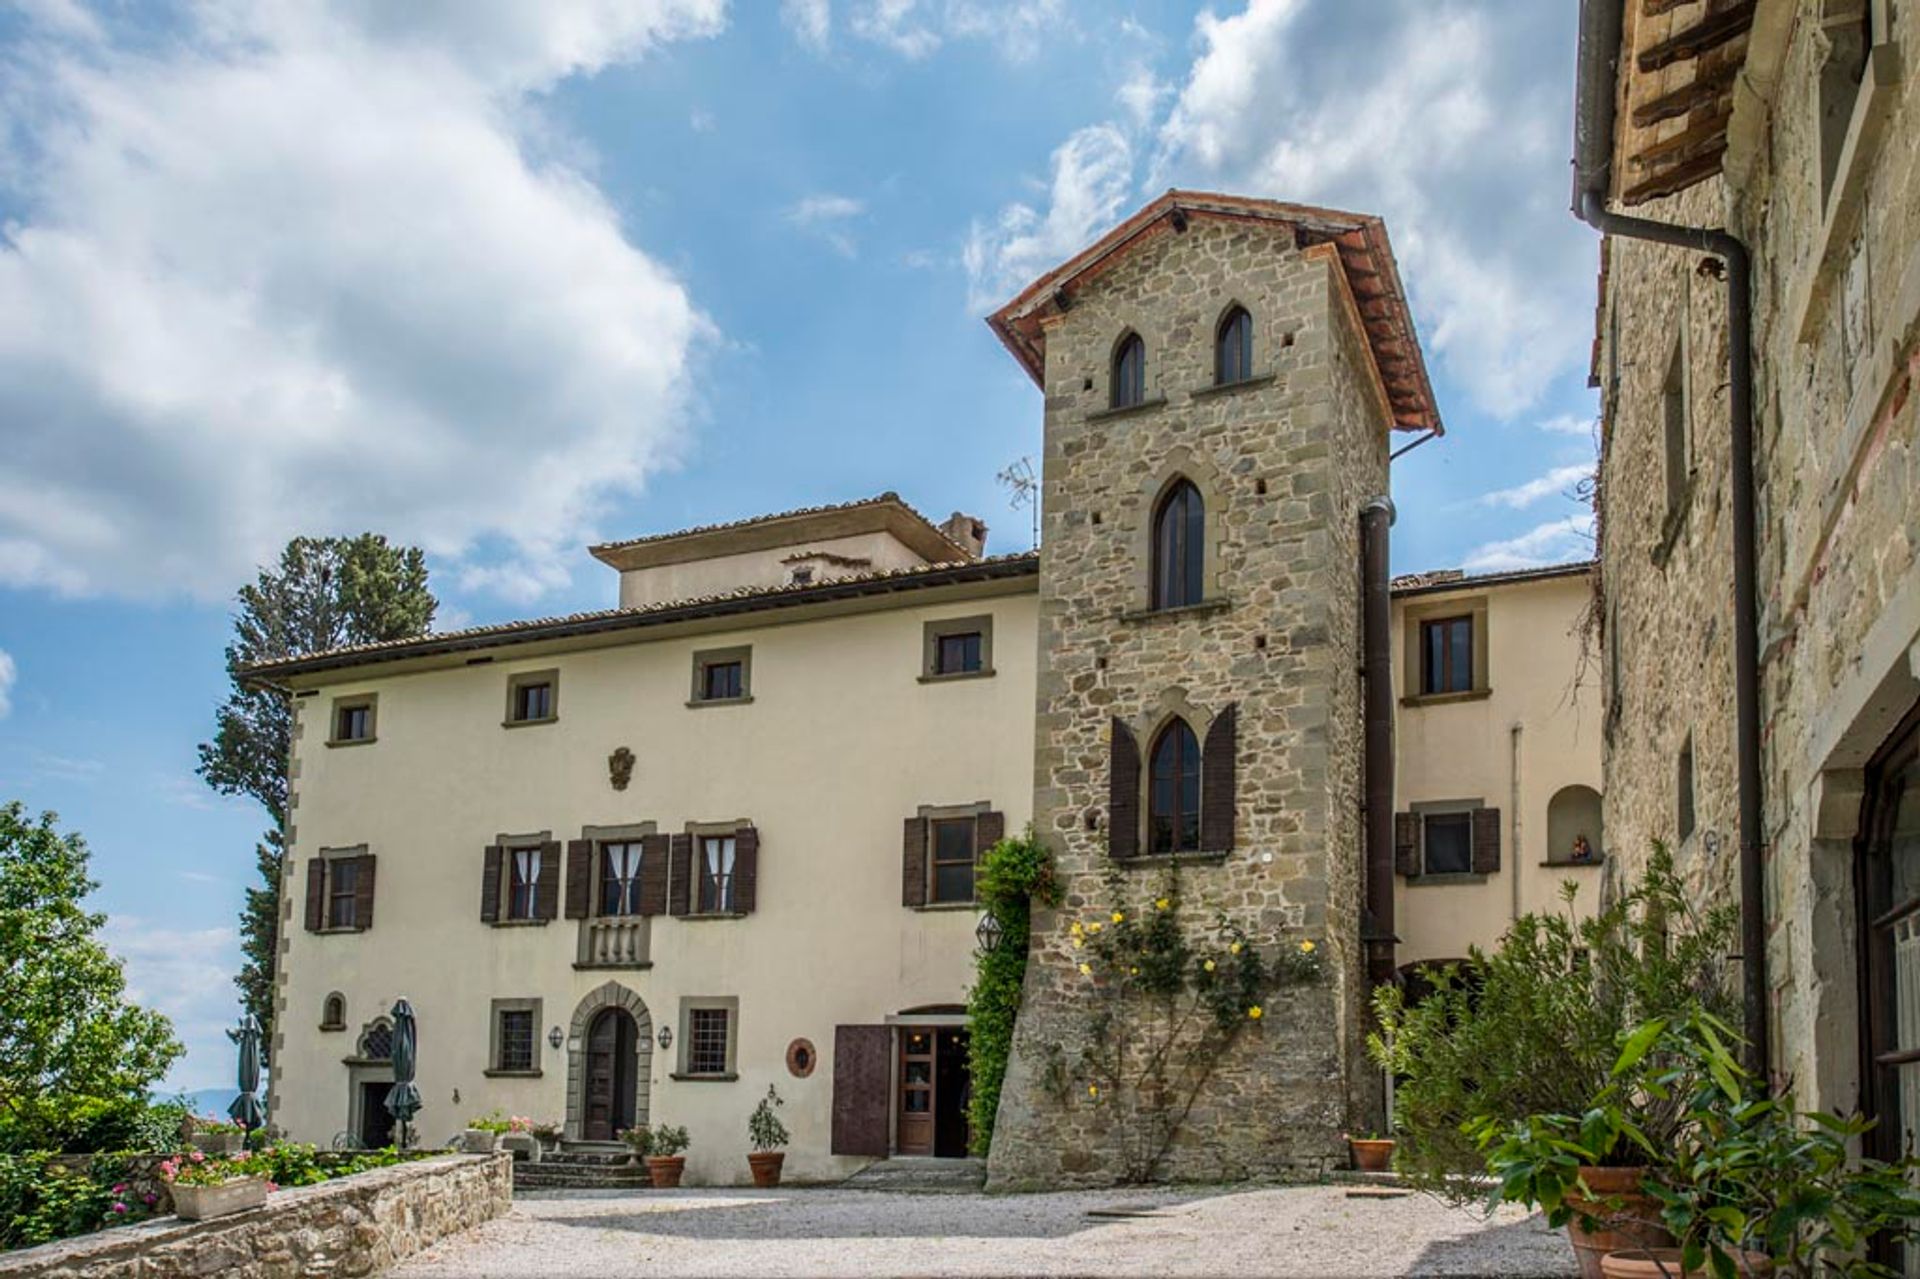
column 862, row 1079
column 610, row 1076
column 915, row 1134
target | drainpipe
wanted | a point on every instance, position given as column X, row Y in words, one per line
column 1376, row 921
column 1594, row 107
column 1513, row 801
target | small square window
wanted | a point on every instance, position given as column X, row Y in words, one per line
column 951, row 859
column 1448, row 843
column 722, row 682
column 959, row 654
column 707, row 1031
column 533, row 697
column 352, row 720
column 957, row 647
column 722, row 675
column 516, row 1040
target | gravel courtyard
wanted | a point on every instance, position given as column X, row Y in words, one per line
column 1317, row 1231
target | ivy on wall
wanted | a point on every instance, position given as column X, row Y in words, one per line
column 1015, row 874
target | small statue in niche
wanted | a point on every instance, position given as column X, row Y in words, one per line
column 1582, row 850
column 620, row 768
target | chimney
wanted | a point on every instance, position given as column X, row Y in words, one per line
column 967, row 532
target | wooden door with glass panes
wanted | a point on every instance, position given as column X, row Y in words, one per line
column 915, row 1132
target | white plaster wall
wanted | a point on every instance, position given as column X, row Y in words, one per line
column 666, row 582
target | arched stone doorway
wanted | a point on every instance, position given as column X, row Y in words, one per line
column 609, row 1064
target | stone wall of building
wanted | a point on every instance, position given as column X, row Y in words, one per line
column 359, row 1225
column 1283, row 463
column 1837, row 314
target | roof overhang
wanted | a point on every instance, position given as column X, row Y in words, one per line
column 1365, row 257
column 785, row 531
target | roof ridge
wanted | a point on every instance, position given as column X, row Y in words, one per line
column 878, row 499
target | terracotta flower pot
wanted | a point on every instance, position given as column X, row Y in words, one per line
column 1372, row 1154
column 1664, row 1263
column 766, row 1167
column 1623, row 1217
column 666, row 1170
column 200, row 1203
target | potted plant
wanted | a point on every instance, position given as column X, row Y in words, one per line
column 548, row 1133
column 639, row 1141
column 211, row 1136
column 204, row 1187
column 770, row 1138
column 483, row 1132
column 666, row 1161
column 1371, row 1153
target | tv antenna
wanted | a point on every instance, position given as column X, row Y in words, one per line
column 1023, row 490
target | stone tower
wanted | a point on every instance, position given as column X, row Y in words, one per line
column 1222, row 378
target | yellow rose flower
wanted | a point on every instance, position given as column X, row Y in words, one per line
column 1162, row 903
column 1306, row 948
column 1133, row 972
column 1078, row 944
column 1254, row 1012
column 1119, row 916
column 1093, row 1090
column 1077, row 928
column 1234, row 949
column 1209, row 965
column 1086, row 970
column 1094, row 927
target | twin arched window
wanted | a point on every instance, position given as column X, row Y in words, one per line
column 1233, row 347
column 1173, row 790
column 1179, row 547
column 1129, row 372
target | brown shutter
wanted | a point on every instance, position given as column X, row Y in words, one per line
column 988, row 830
column 746, row 869
column 1486, row 841
column 363, row 893
column 1406, row 843
column 490, row 885
column 1123, row 794
column 913, row 862
column 680, row 884
column 546, row 893
column 862, row 1073
column 1217, row 763
column 653, row 875
column 316, row 895
column 579, row 878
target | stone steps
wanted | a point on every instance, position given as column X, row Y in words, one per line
column 567, row 1174
column 916, row 1175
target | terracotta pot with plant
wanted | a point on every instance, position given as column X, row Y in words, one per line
column 1667, row 1263
column 1371, row 1153
column 666, row 1162
column 769, row 1138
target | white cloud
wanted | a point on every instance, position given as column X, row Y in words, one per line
column 1140, row 95
column 1091, row 181
column 8, row 674
column 1554, row 483
column 1460, row 147
column 1569, row 424
column 311, row 268
column 1555, row 542
column 827, row 216
column 811, row 22
column 916, row 28
column 188, row 975
column 895, row 25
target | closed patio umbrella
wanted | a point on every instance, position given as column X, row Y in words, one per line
column 246, row 1110
column 403, row 1103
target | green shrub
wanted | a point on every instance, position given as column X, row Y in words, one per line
column 1014, row 874
column 41, row 1201
column 666, row 1141
column 763, row 1125
column 1535, row 1026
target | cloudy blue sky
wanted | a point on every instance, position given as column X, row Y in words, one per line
column 500, row 278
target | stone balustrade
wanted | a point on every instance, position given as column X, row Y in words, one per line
column 614, row 942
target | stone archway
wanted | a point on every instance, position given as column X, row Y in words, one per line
column 611, row 995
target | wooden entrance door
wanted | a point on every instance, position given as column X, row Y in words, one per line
column 915, row 1133
column 934, row 1092
column 608, row 1085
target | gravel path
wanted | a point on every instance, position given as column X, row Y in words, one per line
column 1317, row 1231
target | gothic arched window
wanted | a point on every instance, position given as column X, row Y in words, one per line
column 1179, row 547
column 1129, row 372
column 1173, row 791
column 1233, row 347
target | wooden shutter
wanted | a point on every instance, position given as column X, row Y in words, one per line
column 653, row 875
column 579, row 878
column 862, row 1078
column 1217, row 763
column 490, row 885
column 316, row 895
column 1406, row 843
column 363, row 893
column 913, row 862
column 746, row 869
column 988, row 830
column 1123, row 793
column 680, row 883
column 546, row 893
column 1486, row 841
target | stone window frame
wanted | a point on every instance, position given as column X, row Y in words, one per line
column 521, row 679
column 328, row 1022
column 1436, row 609
column 512, row 1005
column 934, row 630
column 1423, row 809
column 1173, row 704
column 353, row 701
column 703, row 658
column 683, row 1039
column 697, row 834
column 509, row 845
column 928, row 814
column 626, row 833
column 1181, row 463
column 1677, row 432
column 359, row 1055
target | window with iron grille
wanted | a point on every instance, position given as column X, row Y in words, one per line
column 707, row 1030
column 377, row 1043
column 516, row 1040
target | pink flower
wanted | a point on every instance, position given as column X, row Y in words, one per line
column 151, row 1199
column 120, row 1189
column 199, row 1157
column 119, row 1207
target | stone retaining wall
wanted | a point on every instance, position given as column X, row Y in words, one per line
column 358, row 1225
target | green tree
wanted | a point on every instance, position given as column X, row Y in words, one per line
column 325, row 592
column 68, row 1037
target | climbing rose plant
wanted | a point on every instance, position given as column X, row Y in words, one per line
column 1014, row 875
